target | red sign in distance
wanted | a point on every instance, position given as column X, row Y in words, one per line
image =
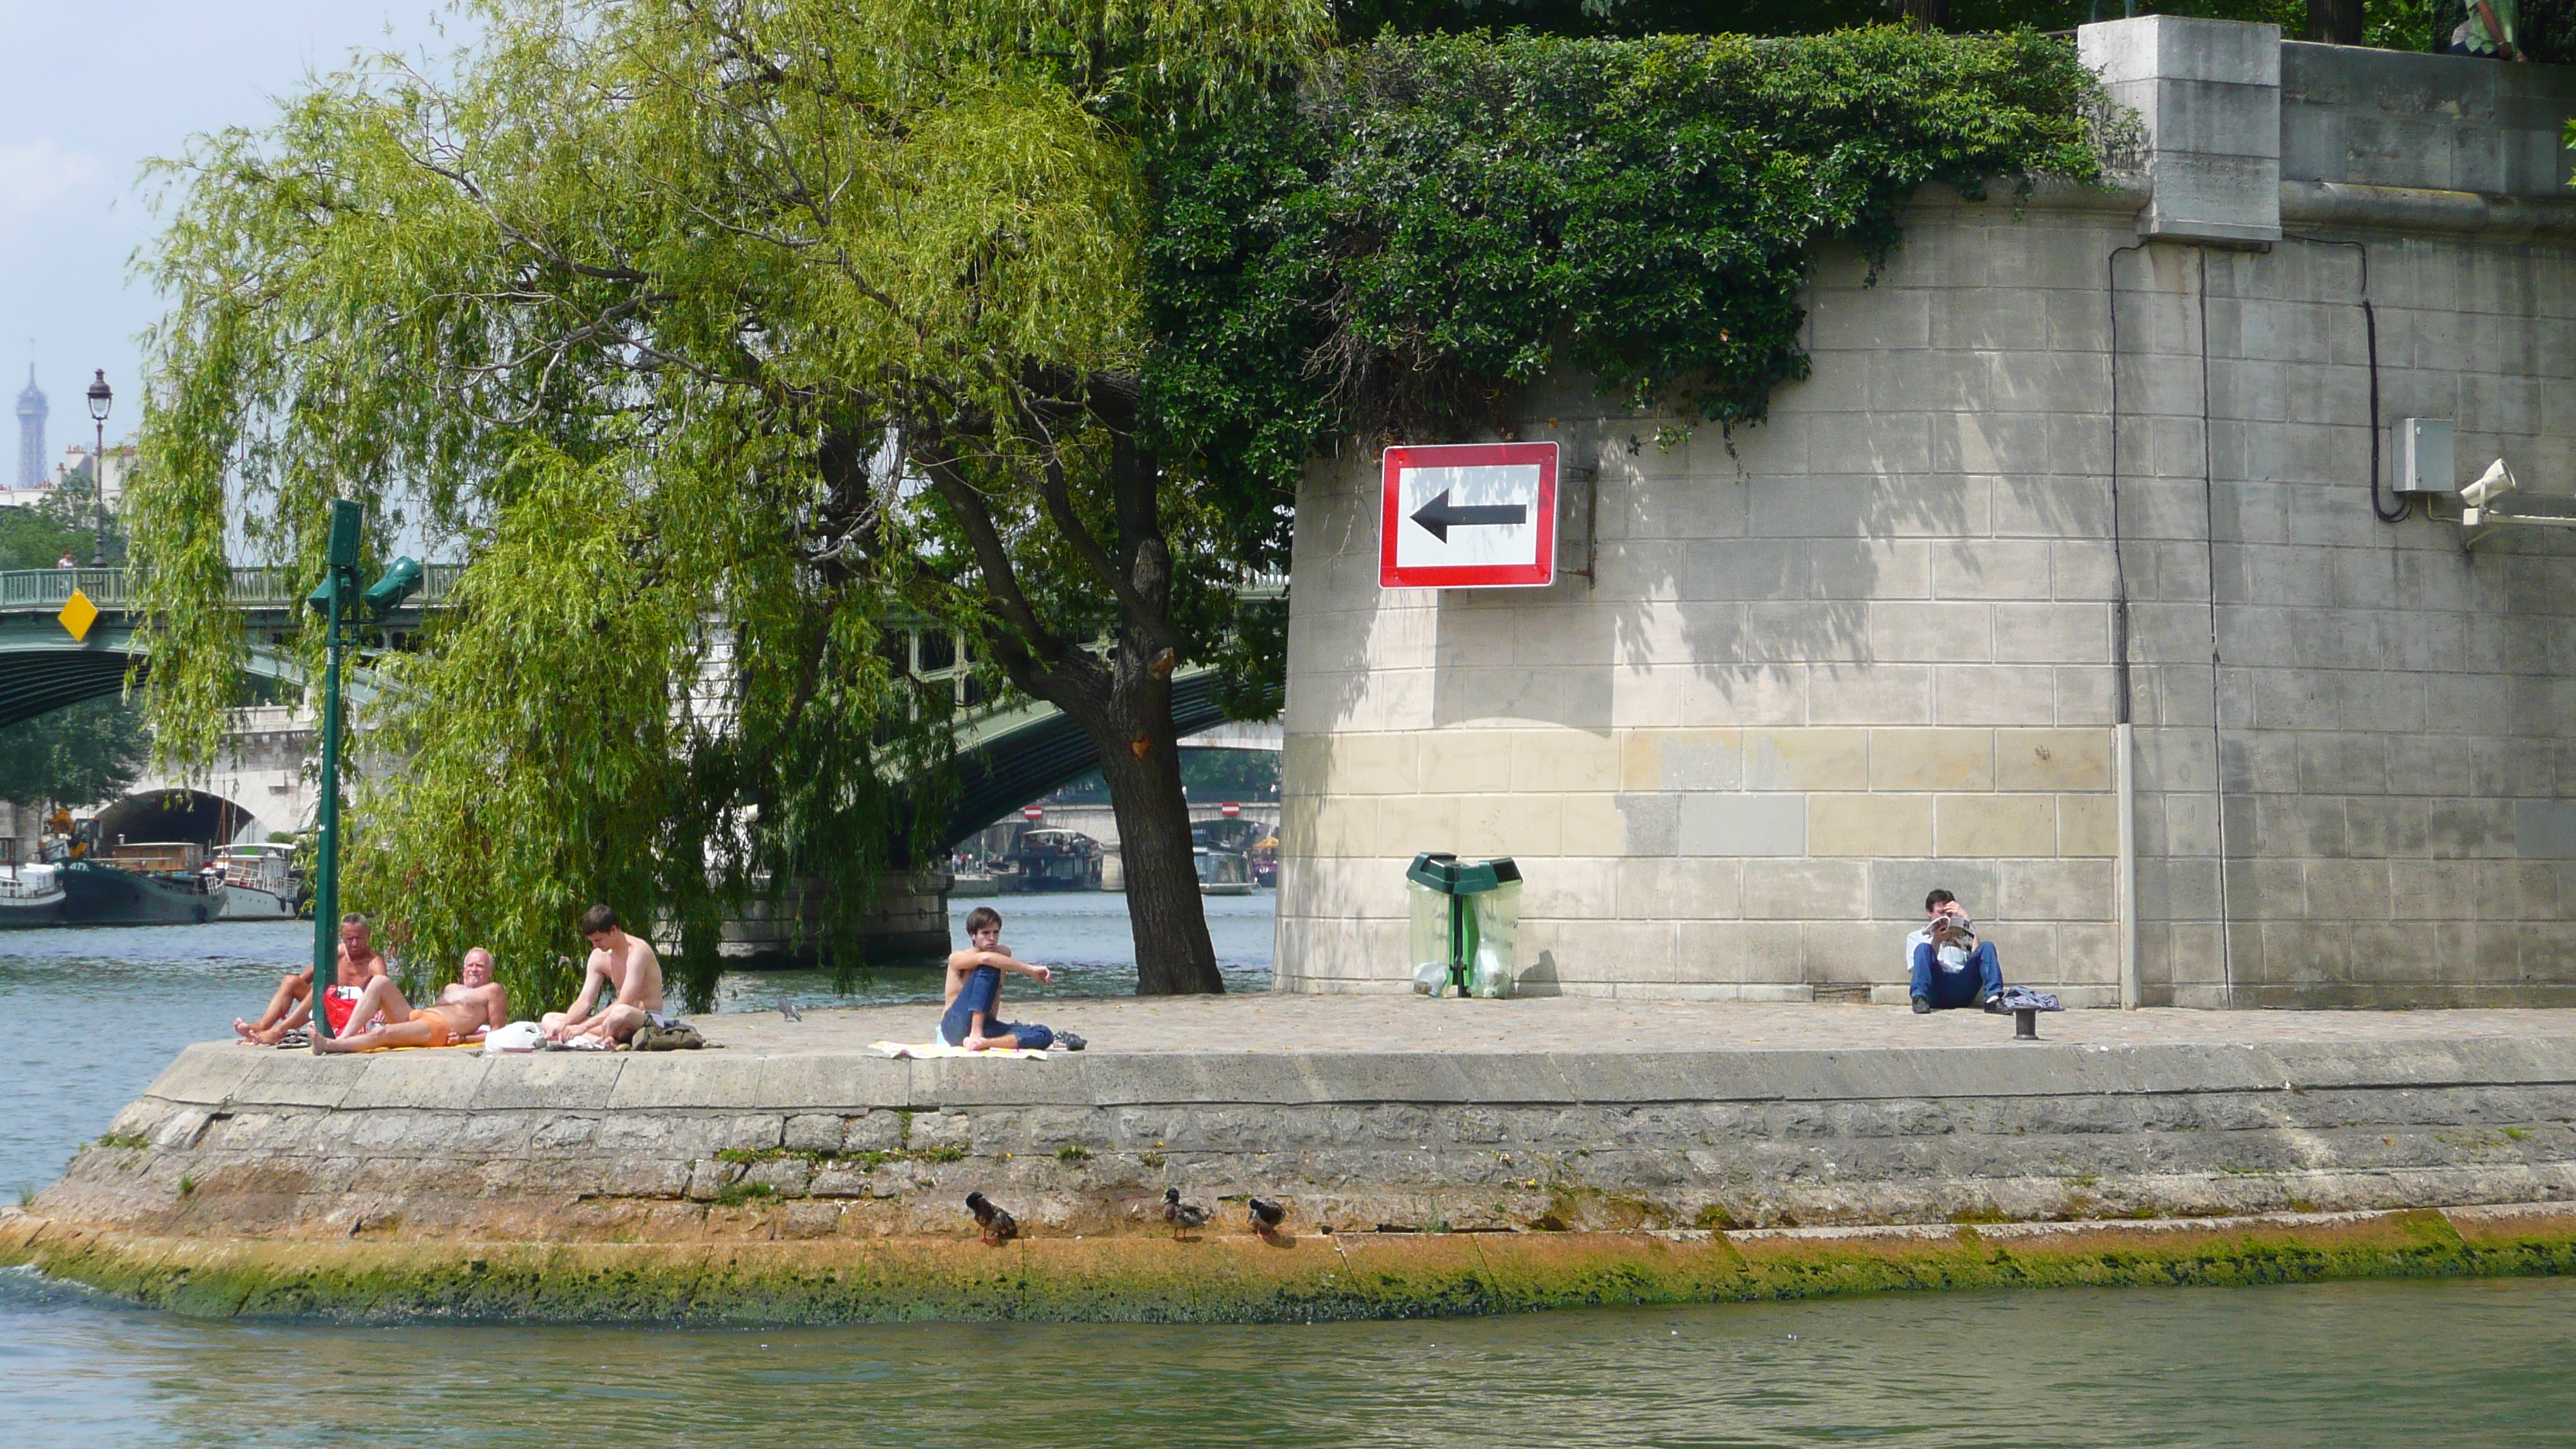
column 1467, row 516
column 1229, row 810
column 1032, row 813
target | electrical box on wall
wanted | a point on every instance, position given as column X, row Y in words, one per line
column 2424, row 456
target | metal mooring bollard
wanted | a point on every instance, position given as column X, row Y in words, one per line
column 2026, row 1024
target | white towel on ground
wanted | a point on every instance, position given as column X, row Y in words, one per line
column 923, row 1050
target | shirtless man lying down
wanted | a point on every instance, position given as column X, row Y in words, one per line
column 465, row 1009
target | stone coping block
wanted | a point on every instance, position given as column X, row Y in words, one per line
column 850, row 1082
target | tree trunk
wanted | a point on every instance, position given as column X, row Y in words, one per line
column 1174, row 956
column 2336, row 22
column 1124, row 704
column 1929, row 14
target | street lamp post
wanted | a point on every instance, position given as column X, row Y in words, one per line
column 338, row 601
column 100, row 397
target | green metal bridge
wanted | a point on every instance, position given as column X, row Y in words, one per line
column 1010, row 749
column 45, row 664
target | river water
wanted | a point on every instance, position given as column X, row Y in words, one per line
column 92, row 1015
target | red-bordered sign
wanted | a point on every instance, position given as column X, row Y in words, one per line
column 1468, row 516
column 1033, row 813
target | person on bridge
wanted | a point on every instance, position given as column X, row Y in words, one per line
column 974, row 1016
column 1947, row 965
column 360, row 966
column 625, row 965
column 464, row 1011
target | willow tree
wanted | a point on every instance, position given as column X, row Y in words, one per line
column 721, row 336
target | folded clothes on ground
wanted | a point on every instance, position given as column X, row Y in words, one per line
column 2022, row 998
column 918, row 1050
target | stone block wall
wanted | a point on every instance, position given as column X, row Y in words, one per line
column 1867, row 647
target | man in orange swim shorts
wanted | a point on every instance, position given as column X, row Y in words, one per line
column 465, row 1009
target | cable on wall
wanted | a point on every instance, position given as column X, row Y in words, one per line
column 2370, row 336
column 2217, row 744
column 2119, row 552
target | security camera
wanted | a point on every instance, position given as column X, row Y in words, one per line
column 2478, row 497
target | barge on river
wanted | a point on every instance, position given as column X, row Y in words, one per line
column 152, row 883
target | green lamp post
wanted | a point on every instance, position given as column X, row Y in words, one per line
column 337, row 601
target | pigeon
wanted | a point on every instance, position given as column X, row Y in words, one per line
column 999, row 1226
column 1266, row 1215
column 787, row 1008
column 1183, row 1216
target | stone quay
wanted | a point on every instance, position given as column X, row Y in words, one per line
column 1430, row 1156
column 2075, row 579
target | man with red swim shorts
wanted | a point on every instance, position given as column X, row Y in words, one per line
column 360, row 966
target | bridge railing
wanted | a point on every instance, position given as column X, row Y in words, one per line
column 47, row 590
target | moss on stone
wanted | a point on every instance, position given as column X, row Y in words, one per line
column 1152, row 1278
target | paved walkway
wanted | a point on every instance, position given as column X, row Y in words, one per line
column 1277, row 1022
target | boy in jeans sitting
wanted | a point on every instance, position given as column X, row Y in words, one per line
column 973, row 1019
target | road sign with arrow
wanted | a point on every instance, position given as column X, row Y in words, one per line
column 1468, row 516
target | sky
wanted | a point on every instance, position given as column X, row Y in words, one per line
column 88, row 91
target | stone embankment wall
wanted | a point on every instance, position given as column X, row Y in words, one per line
column 1870, row 646
column 864, row 1162
column 553, row 1147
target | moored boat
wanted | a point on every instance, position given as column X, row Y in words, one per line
column 260, row 883
column 154, row 883
column 1056, row 860
column 29, row 896
column 1222, row 872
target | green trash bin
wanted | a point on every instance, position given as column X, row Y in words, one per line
column 1466, row 924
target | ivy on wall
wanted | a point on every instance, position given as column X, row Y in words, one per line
column 1433, row 223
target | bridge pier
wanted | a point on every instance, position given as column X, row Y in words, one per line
column 908, row 922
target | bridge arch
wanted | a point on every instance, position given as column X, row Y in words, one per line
column 195, row 816
column 1014, row 756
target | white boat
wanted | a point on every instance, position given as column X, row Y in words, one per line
column 260, row 883
column 29, row 896
column 971, row 883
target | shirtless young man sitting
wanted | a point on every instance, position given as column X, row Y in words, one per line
column 466, row 1009
column 633, row 976
column 360, row 966
column 973, row 1019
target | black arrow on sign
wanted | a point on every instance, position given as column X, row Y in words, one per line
column 1437, row 517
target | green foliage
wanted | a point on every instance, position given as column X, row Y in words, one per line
column 38, row 536
column 2394, row 24
column 1438, row 223
column 2548, row 31
column 721, row 337
column 76, row 755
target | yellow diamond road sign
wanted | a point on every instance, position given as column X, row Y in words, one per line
column 78, row 615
